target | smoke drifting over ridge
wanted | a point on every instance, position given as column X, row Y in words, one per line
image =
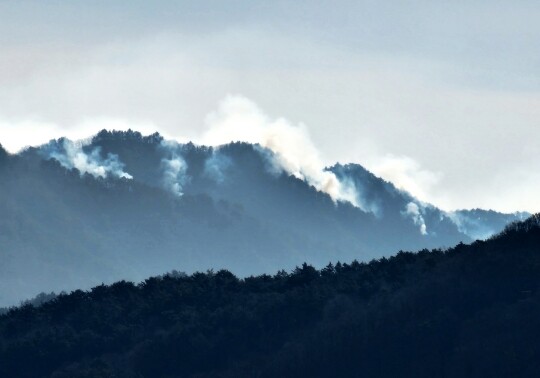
column 187, row 168
column 71, row 155
column 240, row 119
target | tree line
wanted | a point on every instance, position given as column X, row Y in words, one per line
column 469, row 311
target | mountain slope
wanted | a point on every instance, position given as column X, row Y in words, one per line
column 470, row 311
column 124, row 206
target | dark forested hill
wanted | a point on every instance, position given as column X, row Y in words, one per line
column 127, row 206
column 470, row 311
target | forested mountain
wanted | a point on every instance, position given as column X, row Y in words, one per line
column 127, row 206
column 469, row 311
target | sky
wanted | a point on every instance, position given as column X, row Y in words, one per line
column 440, row 97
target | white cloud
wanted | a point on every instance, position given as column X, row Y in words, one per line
column 18, row 134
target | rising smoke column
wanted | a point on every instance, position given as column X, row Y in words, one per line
column 413, row 211
column 216, row 166
column 174, row 168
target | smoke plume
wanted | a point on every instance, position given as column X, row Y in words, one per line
column 413, row 210
column 240, row 119
column 216, row 165
column 174, row 168
column 406, row 174
column 71, row 155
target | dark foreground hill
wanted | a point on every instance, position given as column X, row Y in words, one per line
column 470, row 311
column 124, row 206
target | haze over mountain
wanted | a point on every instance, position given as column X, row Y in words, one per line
column 126, row 206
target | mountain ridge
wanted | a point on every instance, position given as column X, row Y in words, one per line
column 126, row 206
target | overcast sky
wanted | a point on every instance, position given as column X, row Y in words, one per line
column 440, row 97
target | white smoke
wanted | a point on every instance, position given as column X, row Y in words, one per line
column 461, row 223
column 174, row 169
column 240, row 119
column 476, row 227
column 216, row 165
column 72, row 156
column 413, row 210
column 405, row 173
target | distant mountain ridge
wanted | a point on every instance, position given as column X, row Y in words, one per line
column 127, row 206
column 384, row 198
